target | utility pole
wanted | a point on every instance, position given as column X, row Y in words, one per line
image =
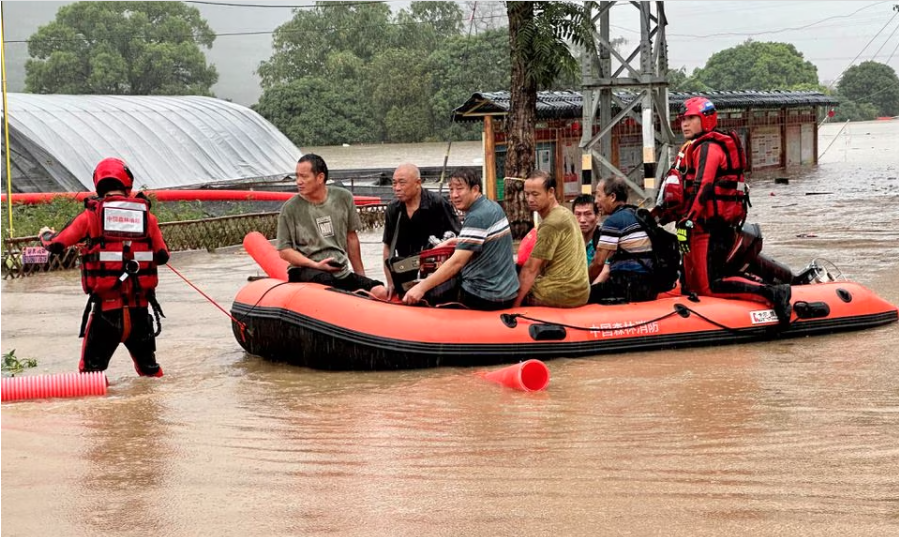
column 648, row 77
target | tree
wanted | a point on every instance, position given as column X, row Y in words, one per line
column 538, row 55
column 853, row 111
column 487, row 15
column 679, row 80
column 302, row 45
column 461, row 67
column 313, row 111
column 432, row 22
column 400, row 91
column 873, row 83
column 122, row 48
column 755, row 65
column 377, row 64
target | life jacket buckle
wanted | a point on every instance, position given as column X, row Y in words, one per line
column 132, row 266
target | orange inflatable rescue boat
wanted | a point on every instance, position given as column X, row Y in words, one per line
column 310, row 325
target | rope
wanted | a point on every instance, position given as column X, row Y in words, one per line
column 679, row 309
column 835, row 138
column 207, row 297
column 508, row 318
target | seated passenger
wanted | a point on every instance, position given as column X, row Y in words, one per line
column 317, row 233
column 483, row 250
column 555, row 274
column 623, row 262
column 587, row 213
column 412, row 218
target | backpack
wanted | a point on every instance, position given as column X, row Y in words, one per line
column 666, row 259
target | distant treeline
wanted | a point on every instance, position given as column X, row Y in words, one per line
column 357, row 72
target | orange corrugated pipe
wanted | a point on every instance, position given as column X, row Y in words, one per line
column 180, row 195
column 59, row 385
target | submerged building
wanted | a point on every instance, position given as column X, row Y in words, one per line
column 778, row 129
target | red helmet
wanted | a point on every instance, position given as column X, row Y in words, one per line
column 702, row 107
column 109, row 170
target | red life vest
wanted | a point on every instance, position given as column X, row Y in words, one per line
column 117, row 264
column 671, row 203
column 725, row 200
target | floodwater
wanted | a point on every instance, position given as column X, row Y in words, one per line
column 793, row 437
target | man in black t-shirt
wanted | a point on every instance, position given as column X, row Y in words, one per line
column 415, row 215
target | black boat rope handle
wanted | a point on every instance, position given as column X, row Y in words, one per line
column 511, row 320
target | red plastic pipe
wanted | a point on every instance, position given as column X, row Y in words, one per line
column 46, row 386
column 529, row 376
column 265, row 255
column 180, row 195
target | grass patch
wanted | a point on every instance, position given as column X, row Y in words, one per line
column 29, row 219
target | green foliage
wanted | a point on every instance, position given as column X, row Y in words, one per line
column 853, row 111
column 871, row 83
column 425, row 25
column 400, row 88
column 177, row 211
column 755, row 65
column 679, row 80
column 29, row 219
column 302, row 45
column 358, row 74
column 316, row 111
column 544, row 30
column 463, row 66
column 12, row 365
column 122, row 48
column 539, row 33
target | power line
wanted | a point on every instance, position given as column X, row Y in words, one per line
column 878, row 92
column 781, row 30
column 863, row 48
column 860, row 22
column 233, row 34
column 887, row 40
column 891, row 53
column 843, row 58
column 284, row 6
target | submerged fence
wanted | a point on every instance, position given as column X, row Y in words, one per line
column 21, row 256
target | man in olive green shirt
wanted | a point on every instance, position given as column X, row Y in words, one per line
column 556, row 272
column 317, row 233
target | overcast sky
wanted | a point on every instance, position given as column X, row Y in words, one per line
column 829, row 34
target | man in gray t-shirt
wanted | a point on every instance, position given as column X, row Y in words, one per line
column 317, row 233
column 483, row 251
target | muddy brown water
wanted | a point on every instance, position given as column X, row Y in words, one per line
column 793, row 437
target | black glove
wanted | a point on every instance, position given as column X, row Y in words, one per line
column 684, row 230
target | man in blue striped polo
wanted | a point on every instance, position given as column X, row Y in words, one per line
column 483, row 250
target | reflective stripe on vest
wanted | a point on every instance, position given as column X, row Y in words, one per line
column 117, row 256
column 113, row 253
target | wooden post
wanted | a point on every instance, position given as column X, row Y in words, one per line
column 489, row 174
column 782, row 117
column 559, row 168
column 815, row 136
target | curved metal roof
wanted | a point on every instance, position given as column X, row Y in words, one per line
column 166, row 141
column 569, row 104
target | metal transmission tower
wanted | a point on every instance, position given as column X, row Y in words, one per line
column 647, row 80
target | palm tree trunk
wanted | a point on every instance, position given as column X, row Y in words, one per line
column 521, row 121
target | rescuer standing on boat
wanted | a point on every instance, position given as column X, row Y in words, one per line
column 122, row 246
column 715, row 202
